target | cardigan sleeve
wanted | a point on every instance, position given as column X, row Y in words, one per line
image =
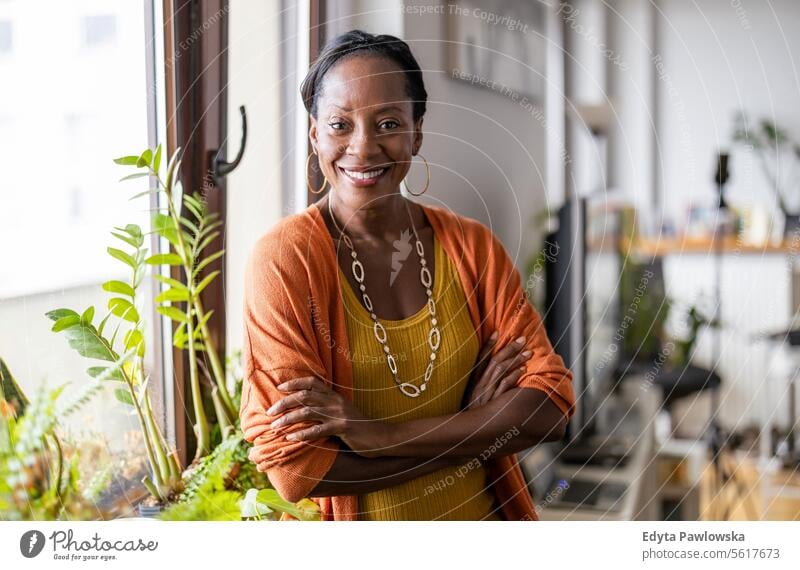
column 508, row 310
column 279, row 345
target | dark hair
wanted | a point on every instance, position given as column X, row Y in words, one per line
column 358, row 42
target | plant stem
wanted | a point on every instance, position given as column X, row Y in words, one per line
column 158, row 444
column 216, row 365
column 201, row 425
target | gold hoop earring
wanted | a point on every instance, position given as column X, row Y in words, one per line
column 427, row 181
column 308, row 182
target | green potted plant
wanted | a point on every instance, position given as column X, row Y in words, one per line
column 40, row 477
column 220, row 474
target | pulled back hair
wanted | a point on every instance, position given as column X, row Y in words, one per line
column 359, row 42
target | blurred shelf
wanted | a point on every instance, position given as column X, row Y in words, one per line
column 702, row 245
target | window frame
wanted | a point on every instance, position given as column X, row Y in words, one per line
column 196, row 76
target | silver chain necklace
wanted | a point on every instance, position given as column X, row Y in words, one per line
column 434, row 335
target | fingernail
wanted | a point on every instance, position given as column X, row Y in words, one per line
column 527, row 353
column 271, row 410
column 522, row 368
column 276, row 423
column 291, row 437
column 282, row 386
column 521, row 340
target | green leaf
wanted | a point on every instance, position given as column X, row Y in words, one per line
column 208, row 228
column 189, row 224
column 250, row 507
column 305, row 510
column 162, row 222
column 127, row 239
column 114, row 375
column 57, row 314
column 66, row 322
column 173, row 313
column 179, row 337
column 177, row 195
column 165, row 226
column 87, row 316
column 102, row 325
column 135, row 340
column 140, row 194
column 172, row 167
column 198, row 329
column 123, row 309
column 86, row 341
column 134, row 235
column 127, row 160
column 124, row 396
column 132, row 230
column 210, row 259
column 208, row 279
column 118, row 287
column 205, row 242
column 198, row 214
column 164, row 259
column 145, row 159
column 133, row 176
column 173, row 295
column 170, row 281
column 122, row 256
column 157, row 159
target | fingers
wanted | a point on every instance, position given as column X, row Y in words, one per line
column 510, row 364
column 304, row 383
column 297, row 399
column 316, row 431
column 508, row 382
column 485, row 354
column 302, row 414
column 505, row 354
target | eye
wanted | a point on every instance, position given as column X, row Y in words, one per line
column 334, row 126
column 390, row 122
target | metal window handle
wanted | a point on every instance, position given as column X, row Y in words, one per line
column 222, row 167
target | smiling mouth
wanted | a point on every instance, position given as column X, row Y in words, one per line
column 366, row 176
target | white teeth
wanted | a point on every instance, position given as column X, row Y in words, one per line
column 365, row 175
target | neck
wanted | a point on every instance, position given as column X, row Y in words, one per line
column 373, row 219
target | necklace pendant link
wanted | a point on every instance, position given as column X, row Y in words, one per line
column 410, row 390
column 358, row 271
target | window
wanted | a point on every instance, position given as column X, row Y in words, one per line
column 60, row 128
column 6, row 37
column 99, row 30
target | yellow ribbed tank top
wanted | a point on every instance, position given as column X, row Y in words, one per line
column 454, row 493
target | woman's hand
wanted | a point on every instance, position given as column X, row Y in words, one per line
column 494, row 376
column 310, row 399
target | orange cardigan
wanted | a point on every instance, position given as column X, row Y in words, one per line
column 294, row 325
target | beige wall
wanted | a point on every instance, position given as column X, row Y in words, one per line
column 254, row 189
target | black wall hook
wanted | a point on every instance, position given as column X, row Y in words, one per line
column 222, row 167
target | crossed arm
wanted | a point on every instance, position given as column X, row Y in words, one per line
column 380, row 455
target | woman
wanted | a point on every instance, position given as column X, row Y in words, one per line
column 393, row 365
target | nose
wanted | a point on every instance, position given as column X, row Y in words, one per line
column 363, row 143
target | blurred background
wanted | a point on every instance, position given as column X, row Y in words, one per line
column 639, row 159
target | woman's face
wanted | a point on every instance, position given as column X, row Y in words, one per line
column 364, row 131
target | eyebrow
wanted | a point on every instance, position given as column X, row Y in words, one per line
column 377, row 109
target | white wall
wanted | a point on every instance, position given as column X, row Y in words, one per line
column 254, row 189
column 487, row 153
column 720, row 56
